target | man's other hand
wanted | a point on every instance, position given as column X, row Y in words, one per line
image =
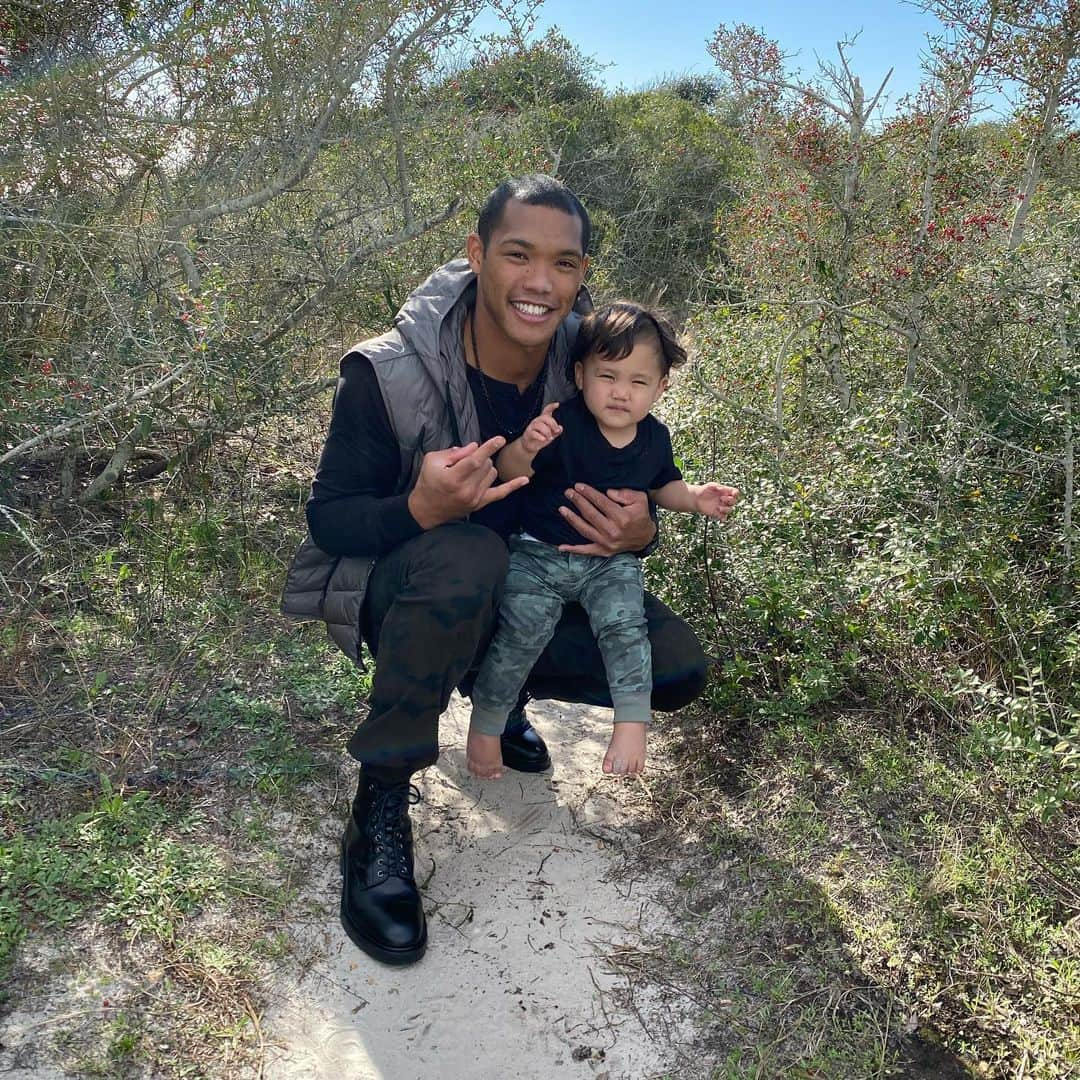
column 455, row 482
column 617, row 521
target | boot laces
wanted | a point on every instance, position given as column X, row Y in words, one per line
column 391, row 832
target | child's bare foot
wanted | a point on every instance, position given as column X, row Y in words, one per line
column 483, row 755
column 626, row 752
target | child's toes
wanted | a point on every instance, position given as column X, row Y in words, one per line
column 482, row 769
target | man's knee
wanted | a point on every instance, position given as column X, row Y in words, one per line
column 464, row 561
column 680, row 666
column 446, row 580
column 677, row 690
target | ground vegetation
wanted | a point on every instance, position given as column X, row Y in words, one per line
column 201, row 207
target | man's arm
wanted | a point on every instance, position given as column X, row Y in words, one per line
column 455, row 482
column 353, row 509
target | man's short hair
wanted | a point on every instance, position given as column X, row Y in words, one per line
column 612, row 332
column 534, row 190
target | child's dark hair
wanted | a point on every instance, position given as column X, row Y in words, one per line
column 614, row 330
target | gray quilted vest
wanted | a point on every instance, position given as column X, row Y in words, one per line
column 420, row 367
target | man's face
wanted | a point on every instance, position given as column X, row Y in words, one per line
column 529, row 275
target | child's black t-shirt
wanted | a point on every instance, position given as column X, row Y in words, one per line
column 581, row 455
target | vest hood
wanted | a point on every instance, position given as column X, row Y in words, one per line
column 427, row 307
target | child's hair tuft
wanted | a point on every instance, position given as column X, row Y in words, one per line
column 613, row 330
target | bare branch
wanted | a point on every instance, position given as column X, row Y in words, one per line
column 78, row 422
column 313, row 144
column 302, row 165
column 394, row 113
column 121, row 456
column 355, row 259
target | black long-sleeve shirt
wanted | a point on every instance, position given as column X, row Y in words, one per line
column 353, row 509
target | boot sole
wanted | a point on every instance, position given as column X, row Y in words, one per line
column 528, row 766
column 385, row 955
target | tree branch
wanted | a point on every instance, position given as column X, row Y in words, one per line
column 121, row 456
column 302, row 166
column 354, row 260
column 77, row 422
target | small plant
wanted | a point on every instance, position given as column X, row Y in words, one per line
column 121, row 860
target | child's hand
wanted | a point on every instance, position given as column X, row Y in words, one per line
column 626, row 752
column 715, row 500
column 543, row 430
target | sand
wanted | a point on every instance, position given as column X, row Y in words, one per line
column 527, row 886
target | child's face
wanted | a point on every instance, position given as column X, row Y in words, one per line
column 620, row 393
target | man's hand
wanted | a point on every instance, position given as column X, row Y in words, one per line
column 542, row 430
column 455, row 482
column 715, row 500
column 617, row 521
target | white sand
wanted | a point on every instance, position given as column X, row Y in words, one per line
column 522, row 901
column 529, row 881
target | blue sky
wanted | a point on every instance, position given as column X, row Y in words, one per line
column 644, row 40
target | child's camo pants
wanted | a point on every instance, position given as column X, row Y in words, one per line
column 541, row 579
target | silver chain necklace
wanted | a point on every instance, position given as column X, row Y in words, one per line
column 533, row 410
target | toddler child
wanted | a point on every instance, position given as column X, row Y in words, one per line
column 604, row 437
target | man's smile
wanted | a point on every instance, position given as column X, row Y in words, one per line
column 530, row 311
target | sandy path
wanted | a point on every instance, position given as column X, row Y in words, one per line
column 521, row 901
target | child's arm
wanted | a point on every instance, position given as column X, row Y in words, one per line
column 713, row 500
column 516, row 458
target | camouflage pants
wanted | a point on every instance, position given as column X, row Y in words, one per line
column 540, row 582
column 431, row 609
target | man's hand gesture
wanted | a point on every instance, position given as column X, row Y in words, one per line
column 455, row 482
column 542, row 430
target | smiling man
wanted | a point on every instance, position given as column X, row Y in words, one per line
column 411, row 526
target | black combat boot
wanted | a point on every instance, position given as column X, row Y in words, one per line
column 522, row 747
column 381, row 908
